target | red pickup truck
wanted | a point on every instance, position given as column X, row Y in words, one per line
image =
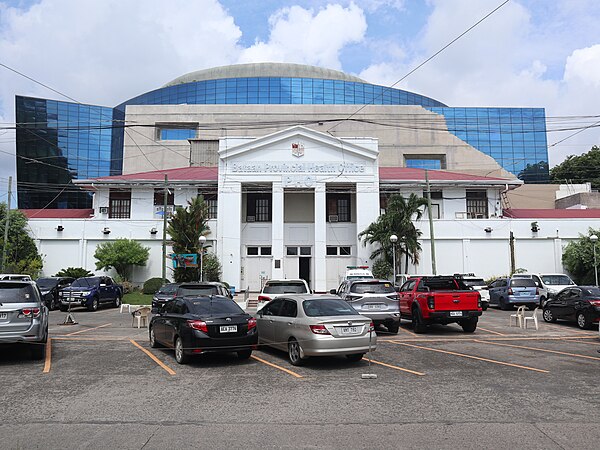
column 439, row 299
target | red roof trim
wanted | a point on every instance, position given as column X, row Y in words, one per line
column 58, row 213
column 552, row 213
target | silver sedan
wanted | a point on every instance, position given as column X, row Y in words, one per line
column 315, row 325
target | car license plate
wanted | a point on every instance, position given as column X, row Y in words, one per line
column 351, row 330
column 3, row 316
column 374, row 306
column 228, row 329
column 455, row 313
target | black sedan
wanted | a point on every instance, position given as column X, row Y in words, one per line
column 579, row 304
column 199, row 324
column 50, row 287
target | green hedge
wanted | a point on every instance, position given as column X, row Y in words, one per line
column 152, row 285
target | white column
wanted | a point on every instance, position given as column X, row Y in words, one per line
column 229, row 231
column 367, row 212
column 277, row 227
column 320, row 263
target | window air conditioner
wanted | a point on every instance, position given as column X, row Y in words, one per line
column 103, row 210
column 333, row 218
column 460, row 215
column 250, row 218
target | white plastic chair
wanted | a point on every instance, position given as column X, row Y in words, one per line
column 142, row 316
column 125, row 306
column 518, row 317
column 532, row 318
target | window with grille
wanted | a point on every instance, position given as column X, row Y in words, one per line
column 339, row 205
column 477, row 205
column 210, row 198
column 259, row 208
column 159, row 198
column 119, row 204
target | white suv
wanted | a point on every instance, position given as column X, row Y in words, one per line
column 555, row 282
column 274, row 288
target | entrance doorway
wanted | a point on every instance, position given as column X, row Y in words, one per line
column 304, row 269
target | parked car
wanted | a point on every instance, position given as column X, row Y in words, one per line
column 91, row 292
column 478, row 284
column 14, row 277
column 376, row 299
column 508, row 292
column 315, row 325
column 439, row 299
column 164, row 294
column 543, row 292
column 23, row 316
column 51, row 287
column 274, row 288
column 579, row 304
column 556, row 282
column 205, row 288
column 193, row 325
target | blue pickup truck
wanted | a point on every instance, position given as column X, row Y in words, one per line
column 91, row 292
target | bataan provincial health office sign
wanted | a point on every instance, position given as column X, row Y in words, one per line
column 299, row 167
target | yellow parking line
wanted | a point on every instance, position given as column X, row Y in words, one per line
column 154, row 358
column 490, row 331
column 48, row 361
column 408, row 332
column 576, row 355
column 474, row 357
column 277, row 367
column 586, row 343
column 88, row 329
column 397, row 368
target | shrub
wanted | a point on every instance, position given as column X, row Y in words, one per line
column 74, row 272
column 211, row 267
column 152, row 285
column 382, row 269
column 127, row 287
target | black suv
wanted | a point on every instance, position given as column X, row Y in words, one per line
column 50, row 287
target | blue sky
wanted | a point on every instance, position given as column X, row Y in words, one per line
column 539, row 53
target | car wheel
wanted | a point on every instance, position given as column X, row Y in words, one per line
column 417, row 322
column 484, row 306
column 180, row 355
column 548, row 316
column 470, row 325
column 244, row 354
column 117, row 302
column 503, row 305
column 94, row 305
column 583, row 322
column 294, row 352
column 53, row 304
column 38, row 350
column 153, row 342
column 393, row 327
column 355, row 357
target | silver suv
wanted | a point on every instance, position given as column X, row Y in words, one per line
column 375, row 299
column 23, row 316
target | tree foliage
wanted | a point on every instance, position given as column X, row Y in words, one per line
column 578, row 258
column 398, row 220
column 122, row 255
column 185, row 228
column 74, row 272
column 22, row 255
column 579, row 169
column 533, row 173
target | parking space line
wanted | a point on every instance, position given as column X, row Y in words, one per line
column 490, row 331
column 294, row 374
column 406, row 331
column 576, row 355
column 154, row 358
column 518, row 366
column 48, row 361
column 397, row 368
column 88, row 329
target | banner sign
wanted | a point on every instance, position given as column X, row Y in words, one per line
column 184, row 260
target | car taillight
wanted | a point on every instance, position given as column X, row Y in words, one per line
column 537, row 291
column 510, row 291
column 351, row 298
column 199, row 325
column 478, row 300
column 319, row 329
column 263, row 298
column 595, row 302
column 371, row 327
column 30, row 312
column 393, row 296
column 251, row 323
column 431, row 302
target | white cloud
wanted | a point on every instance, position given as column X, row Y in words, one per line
column 582, row 67
column 304, row 36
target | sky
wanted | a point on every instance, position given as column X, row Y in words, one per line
column 529, row 53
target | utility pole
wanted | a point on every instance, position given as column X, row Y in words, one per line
column 428, row 194
column 6, row 223
column 511, row 243
column 164, row 236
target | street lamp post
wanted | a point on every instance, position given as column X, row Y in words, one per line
column 202, row 241
column 393, row 240
column 594, row 238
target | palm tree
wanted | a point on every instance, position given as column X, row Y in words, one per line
column 398, row 220
column 185, row 228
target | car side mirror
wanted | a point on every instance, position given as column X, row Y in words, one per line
column 333, row 291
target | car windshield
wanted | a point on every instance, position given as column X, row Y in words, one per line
column 47, row 283
column 168, row 289
column 327, row 307
column 372, row 288
column 213, row 307
column 474, row 282
column 522, row 282
column 557, row 280
column 86, row 282
column 200, row 290
column 16, row 293
column 287, row 287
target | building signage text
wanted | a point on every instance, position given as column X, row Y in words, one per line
column 301, row 167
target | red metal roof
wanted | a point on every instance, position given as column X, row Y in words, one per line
column 181, row 174
column 407, row 173
column 552, row 213
column 57, row 213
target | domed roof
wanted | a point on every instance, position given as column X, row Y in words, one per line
column 264, row 70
